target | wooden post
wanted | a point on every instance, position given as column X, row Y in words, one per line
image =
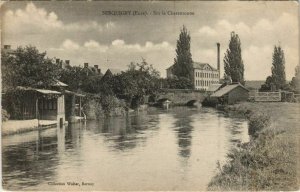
column 37, row 110
column 79, row 106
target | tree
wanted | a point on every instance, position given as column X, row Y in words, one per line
column 278, row 68
column 233, row 62
column 28, row 67
column 277, row 80
column 183, row 63
column 177, row 83
column 268, row 85
column 140, row 80
column 78, row 79
column 295, row 83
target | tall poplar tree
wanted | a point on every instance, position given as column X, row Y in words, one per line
column 278, row 68
column 295, row 83
column 277, row 80
column 233, row 62
column 183, row 63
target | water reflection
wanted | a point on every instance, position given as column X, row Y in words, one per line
column 184, row 130
column 25, row 162
column 159, row 150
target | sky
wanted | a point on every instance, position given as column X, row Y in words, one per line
column 85, row 32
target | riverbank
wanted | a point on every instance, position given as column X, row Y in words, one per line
column 11, row 127
column 269, row 160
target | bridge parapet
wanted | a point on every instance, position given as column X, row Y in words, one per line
column 182, row 96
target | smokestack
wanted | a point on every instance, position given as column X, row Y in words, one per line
column 86, row 65
column 218, row 61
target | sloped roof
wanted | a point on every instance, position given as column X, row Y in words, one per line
column 59, row 84
column 198, row 65
column 214, row 87
column 73, row 93
column 43, row 91
column 115, row 71
column 227, row 89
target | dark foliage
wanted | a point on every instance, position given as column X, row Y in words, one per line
column 183, row 61
column 233, row 62
column 28, row 67
column 277, row 80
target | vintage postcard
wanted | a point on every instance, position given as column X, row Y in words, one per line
column 150, row 95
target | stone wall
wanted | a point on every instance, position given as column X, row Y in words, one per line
column 182, row 97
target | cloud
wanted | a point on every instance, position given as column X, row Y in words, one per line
column 118, row 42
column 69, row 45
column 118, row 54
column 37, row 20
column 257, row 41
column 92, row 45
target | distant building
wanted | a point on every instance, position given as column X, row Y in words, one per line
column 91, row 70
column 204, row 74
column 8, row 49
column 110, row 72
column 230, row 94
column 41, row 104
column 61, row 63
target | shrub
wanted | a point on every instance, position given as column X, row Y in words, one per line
column 257, row 122
column 5, row 115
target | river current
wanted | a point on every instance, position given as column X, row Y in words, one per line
column 175, row 149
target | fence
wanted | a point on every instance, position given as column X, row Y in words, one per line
column 267, row 96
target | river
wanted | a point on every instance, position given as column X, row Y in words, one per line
column 176, row 149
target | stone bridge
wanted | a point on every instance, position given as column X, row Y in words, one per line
column 182, row 96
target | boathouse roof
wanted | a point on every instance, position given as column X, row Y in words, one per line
column 227, row 89
column 43, row 91
column 214, row 87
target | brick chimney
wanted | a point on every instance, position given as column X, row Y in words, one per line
column 96, row 66
column 67, row 62
column 57, row 61
column 218, row 59
column 86, row 65
column 7, row 47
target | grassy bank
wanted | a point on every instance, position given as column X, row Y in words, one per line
column 269, row 160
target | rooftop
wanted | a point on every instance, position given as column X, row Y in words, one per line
column 201, row 66
column 214, row 87
column 227, row 89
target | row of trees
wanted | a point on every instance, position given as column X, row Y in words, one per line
column 29, row 68
column 233, row 64
column 277, row 80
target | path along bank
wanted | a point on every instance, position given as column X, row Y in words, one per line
column 270, row 160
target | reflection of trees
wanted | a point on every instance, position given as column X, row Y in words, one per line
column 184, row 130
column 73, row 135
column 31, row 162
column 125, row 132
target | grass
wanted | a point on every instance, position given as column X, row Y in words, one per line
column 270, row 160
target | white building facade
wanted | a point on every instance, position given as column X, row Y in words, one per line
column 204, row 76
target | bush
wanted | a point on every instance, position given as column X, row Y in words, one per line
column 257, row 122
column 5, row 115
column 93, row 109
column 112, row 106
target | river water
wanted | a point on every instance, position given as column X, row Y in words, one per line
column 176, row 149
